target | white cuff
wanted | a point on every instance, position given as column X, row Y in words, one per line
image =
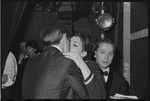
column 89, row 80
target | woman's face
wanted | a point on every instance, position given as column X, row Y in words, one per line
column 76, row 45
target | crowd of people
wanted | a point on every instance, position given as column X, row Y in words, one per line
column 63, row 69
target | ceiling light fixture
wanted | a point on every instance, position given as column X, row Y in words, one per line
column 104, row 20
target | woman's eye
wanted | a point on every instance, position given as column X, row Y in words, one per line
column 102, row 52
column 74, row 45
column 111, row 54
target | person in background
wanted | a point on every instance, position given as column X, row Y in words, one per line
column 81, row 49
column 114, row 83
column 23, row 46
column 32, row 49
column 9, row 75
column 50, row 75
column 23, row 50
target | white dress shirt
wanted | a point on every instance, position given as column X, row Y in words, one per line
column 57, row 48
column 106, row 77
column 10, row 70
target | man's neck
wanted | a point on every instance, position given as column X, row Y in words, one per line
column 104, row 68
column 58, row 47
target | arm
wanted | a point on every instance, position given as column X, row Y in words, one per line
column 87, row 74
column 20, row 58
column 96, row 87
column 94, row 84
column 10, row 71
column 75, row 79
column 4, row 78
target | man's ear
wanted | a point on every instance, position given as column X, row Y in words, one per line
column 83, row 54
column 64, row 36
column 63, row 39
column 95, row 54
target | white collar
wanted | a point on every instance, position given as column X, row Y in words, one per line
column 57, row 48
column 107, row 69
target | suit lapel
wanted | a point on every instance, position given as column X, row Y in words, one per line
column 109, row 82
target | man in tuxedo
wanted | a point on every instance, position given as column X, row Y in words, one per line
column 50, row 75
column 114, row 83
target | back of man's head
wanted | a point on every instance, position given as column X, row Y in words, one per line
column 53, row 33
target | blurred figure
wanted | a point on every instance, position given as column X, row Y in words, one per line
column 9, row 75
column 32, row 49
column 23, row 50
column 81, row 49
column 50, row 75
column 114, row 83
column 23, row 46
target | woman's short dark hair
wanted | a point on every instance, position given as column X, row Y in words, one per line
column 86, row 44
column 34, row 45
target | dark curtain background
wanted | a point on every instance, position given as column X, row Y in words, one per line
column 11, row 15
column 115, row 33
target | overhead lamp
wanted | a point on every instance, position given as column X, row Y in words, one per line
column 104, row 20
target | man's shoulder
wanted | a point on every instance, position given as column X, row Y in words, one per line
column 118, row 76
column 67, row 61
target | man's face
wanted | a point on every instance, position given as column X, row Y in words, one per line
column 76, row 45
column 22, row 47
column 104, row 55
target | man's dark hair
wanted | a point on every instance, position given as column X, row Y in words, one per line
column 53, row 33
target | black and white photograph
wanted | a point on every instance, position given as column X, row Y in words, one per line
column 74, row 50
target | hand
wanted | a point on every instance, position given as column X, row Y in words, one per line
column 20, row 58
column 75, row 57
column 4, row 79
column 79, row 62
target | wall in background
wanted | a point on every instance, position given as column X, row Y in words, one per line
column 139, row 49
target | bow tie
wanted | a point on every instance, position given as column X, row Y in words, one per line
column 105, row 73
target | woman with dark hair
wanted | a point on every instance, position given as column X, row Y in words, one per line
column 81, row 49
column 33, row 48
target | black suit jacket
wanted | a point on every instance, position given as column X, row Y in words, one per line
column 116, row 84
column 52, row 76
column 96, row 87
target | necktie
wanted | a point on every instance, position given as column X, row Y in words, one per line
column 105, row 73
